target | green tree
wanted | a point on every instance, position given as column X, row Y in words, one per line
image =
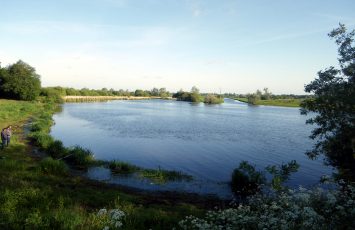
column 20, row 81
column 334, row 108
column 195, row 90
column 163, row 92
column 154, row 92
column 139, row 93
column 266, row 95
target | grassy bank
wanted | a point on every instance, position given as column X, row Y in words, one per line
column 275, row 102
column 38, row 193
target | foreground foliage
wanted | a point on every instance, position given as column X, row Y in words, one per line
column 293, row 209
column 246, row 180
column 334, row 106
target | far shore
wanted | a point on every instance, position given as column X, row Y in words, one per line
column 275, row 102
column 106, row 98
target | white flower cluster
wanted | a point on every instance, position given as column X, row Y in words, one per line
column 295, row 209
column 112, row 217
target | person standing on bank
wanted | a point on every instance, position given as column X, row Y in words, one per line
column 8, row 134
column 3, row 138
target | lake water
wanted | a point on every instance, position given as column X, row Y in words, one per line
column 205, row 141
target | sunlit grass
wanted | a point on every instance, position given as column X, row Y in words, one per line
column 275, row 102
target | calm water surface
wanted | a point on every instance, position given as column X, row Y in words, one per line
column 207, row 142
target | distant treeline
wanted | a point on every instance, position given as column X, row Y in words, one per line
column 63, row 91
column 272, row 96
column 20, row 81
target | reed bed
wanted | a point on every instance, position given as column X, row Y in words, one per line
column 104, row 98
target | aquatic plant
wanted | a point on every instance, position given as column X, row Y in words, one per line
column 162, row 176
column 122, row 167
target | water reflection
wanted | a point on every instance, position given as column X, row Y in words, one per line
column 205, row 141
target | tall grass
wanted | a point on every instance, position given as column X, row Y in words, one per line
column 50, row 166
column 161, row 176
column 80, row 157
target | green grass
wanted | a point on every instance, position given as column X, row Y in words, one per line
column 39, row 194
column 276, row 102
column 51, row 166
column 242, row 99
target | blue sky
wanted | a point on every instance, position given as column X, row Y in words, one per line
column 229, row 45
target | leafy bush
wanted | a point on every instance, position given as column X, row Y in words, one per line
column 213, row 99
column 294, row 209
column 51, row 166
column 193, row 96
column 246, row 180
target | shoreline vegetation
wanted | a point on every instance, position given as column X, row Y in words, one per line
column 265, row 97
column 108, row 98
column 194, row 96
column 274, row 102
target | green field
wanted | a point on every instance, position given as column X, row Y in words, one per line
column 44, row 194
column 276, row 102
